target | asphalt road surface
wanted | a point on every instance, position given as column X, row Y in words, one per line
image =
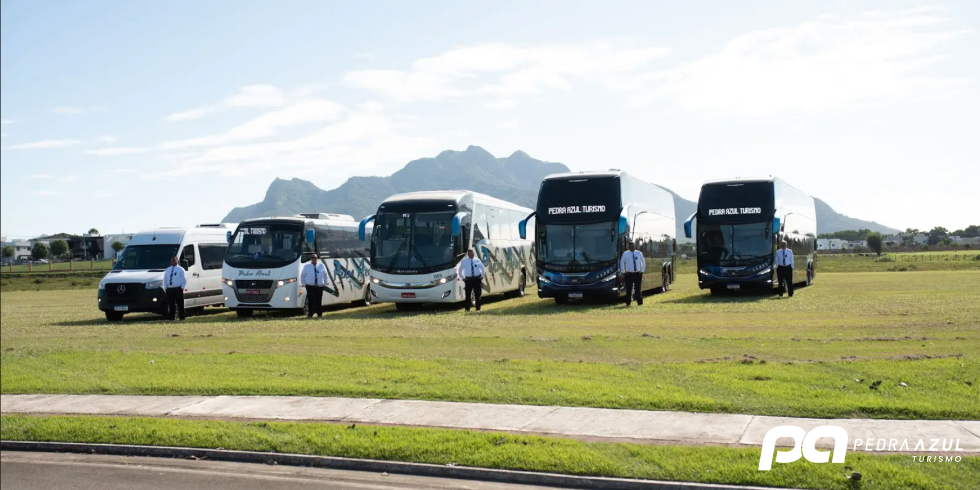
column 53, row 471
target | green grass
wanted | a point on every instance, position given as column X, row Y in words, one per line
column 669, row 354
column 47, row 281
column 103, row 265
column 914, row 262
column 504, row 451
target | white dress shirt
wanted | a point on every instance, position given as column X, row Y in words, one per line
column 471, row 268
column 173, row 277
column 313, row 276
column 632, row 262
column 784, row 256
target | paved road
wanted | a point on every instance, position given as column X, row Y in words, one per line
column 51, row 471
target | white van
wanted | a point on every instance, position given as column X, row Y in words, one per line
column 135, row 283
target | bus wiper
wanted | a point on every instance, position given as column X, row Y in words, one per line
column 394, row 256
column 419, row 256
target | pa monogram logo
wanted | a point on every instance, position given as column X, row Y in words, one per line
column 804, row 445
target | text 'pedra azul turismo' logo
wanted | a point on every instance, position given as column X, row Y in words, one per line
column 804, row 446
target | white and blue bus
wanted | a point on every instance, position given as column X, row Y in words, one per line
column 419, row 239
column 266, row 255
column 584, row 222
column 738, row 226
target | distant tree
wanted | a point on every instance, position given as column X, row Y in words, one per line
column 93, row 231
column 849, row 235
column 972, row 230
column 937, row 234
column 59, row 248
column 39, row 251
column 118, row 246
column 875, row 243
column 8, row 251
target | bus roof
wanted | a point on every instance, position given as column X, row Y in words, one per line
column 585, row 174
column 449, row 195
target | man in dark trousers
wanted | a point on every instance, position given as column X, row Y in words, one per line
column 632, row 265
column 174, row 283
column 471, row 271
column 314, row 278
column 784, row 268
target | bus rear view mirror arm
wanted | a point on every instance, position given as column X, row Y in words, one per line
column 522, row 226
column 688, row 231
column 457, row 222
column 362, row 228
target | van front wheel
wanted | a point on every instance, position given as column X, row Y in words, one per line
column 113, row 316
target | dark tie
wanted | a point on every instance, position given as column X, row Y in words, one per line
column 472, row 268
column 316, row 277
column 634, row 261
column 173, row 272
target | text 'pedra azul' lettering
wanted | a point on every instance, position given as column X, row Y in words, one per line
column 576, row 209
column 733, row 211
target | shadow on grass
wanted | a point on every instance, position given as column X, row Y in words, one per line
column 207, row 314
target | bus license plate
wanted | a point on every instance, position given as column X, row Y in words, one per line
column 121, row 308
column 734, row 286
column 574, row 295
column 408, row 295
column 252, row 291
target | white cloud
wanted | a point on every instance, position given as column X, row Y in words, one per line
column 67, row 110
column 108, row 138
column 257, row 96
column 828, row 64
column 47, row 193
column 41, row 176
column 7, row 121
column 500, row 72
column 509, row 124
column 68, row 178
column 118, row 150
column 297, row 114
column 44, row 144
column 124, row 170
column 195, row 113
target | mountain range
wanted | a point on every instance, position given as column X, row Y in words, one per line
column 515, row 178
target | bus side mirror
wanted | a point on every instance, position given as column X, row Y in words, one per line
column 458, row 223
column 522, row 226
column 228, row 237
column 362, row 228
column 310, row 236
column 688, row 231
column 776, row 225
column 624, row 224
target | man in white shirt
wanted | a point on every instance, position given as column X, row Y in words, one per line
column 472, row 271
column 632, row 265
column 174, row 283
column 784, row 268
column 314, row 278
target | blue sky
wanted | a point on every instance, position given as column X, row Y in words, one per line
column 128, row 115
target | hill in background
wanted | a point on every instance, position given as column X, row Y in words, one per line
column 515, row 178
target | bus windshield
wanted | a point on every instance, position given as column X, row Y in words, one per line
column 584, row 245
column 734, row 243
column 143, row 257
column 413, row 241
column 265, row 245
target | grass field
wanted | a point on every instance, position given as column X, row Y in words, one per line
column 505, row 451
column 684, row 350
column 45, row 281
column 80, row 265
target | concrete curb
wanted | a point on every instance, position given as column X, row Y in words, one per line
column 417, row 469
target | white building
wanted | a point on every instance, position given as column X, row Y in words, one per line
column 108, row 240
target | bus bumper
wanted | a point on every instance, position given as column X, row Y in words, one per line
column 287, row 297
column 761, row 281
column 450, row 292
column 606, row 290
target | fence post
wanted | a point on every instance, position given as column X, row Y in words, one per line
column 71, row 265
column 50, row 266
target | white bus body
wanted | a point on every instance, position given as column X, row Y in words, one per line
column 135, row 283
column 266, row 256
column 419, row 239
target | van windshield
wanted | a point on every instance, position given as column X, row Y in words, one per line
column 143, row 257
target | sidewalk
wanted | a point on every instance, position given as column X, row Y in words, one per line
column 637, row 426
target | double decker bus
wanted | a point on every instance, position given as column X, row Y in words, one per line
column 265, row 257
column 738, row 227
column 420, row 237
column 583, row 223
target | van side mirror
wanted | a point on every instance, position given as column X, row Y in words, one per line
column 184, row 264
column 310, row 236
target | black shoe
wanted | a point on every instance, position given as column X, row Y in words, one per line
column 319, row 315
column 467, row 310
column 310, row 315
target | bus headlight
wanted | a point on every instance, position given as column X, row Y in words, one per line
column 610, row 277
column 228, row 282
column 376, row 280
column 283, row 282
column 544, row 280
